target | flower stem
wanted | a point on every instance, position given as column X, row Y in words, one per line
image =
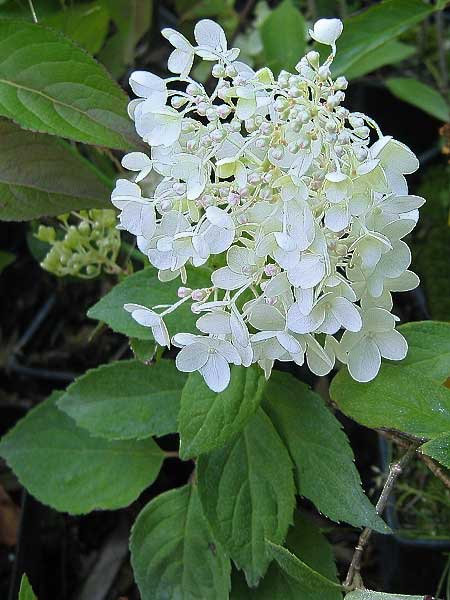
column 353, row 579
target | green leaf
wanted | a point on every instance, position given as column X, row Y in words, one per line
column 390, row 53
column 310, row 580
column 86, row 24
column 439, row 449
column 283, row 35
column 368, row 595
column 173, row 552
column 6, row 258
column 420, row 95
column 305, row 541
column 29, row 187
column 64, row 467
column 49, row 84
column 143, row 350
column 371, row 29
column 407, row 395
column 248, row 494
column 145, row 288
column 208, row 420
column 429, row 349
column 317, row 444
column 126, row 399
column 26, row 591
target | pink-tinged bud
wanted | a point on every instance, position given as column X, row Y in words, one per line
column 184, row 292
column 199, row 295
column 271, row 270
column 233, row 199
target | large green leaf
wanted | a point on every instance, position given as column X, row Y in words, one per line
column 68, row 469
column 173, row 552
column 428, row 349
column 49, row 84
column 390, row 53
column 248, row 494
column 283, row 35
column 207, row 420
column 373, row 28
column 368, row 595
column 311, row 581
column 86, row 24
column 317, row 444
column 420, row 95
column 439, row 449
column 26, row 591
column 307, row 543
column 407, row 395
column 145, row 288
column 126, row 400
column 43, row 176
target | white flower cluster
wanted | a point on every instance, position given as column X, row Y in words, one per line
column 307, row 213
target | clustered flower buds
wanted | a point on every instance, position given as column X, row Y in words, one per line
column 307, row 211
column 89, row 244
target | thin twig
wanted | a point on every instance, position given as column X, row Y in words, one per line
column 171, row 454
column 244, row 15
column 440, row 35
column 434, row 467
column 353, row 579
column 33, row 12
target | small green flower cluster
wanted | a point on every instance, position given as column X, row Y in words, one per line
column 89, row 245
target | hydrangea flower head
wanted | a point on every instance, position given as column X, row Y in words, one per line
column 306, row 202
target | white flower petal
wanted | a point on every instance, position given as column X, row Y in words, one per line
column 319, row 361
column 139, row 218
column 226, row 279
column 301, row 323
column 308, row 273
column 148, row 85
column 289, row 343
column 192, row 358
column 142, row 315
column 337, row 217
column 216, row 373
column 392, row 344
column 161, row 334
column 239, row 330
column 184, row 339
column 136, row 161
column 364, row 360
column 326, row 31
column 216, row 323
column 239, row 257
column 159, row 128
column 219, row 217
column 346, row 313
column 210, row 34
column 378, row 320
column 267, row 317
column 405, row 282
